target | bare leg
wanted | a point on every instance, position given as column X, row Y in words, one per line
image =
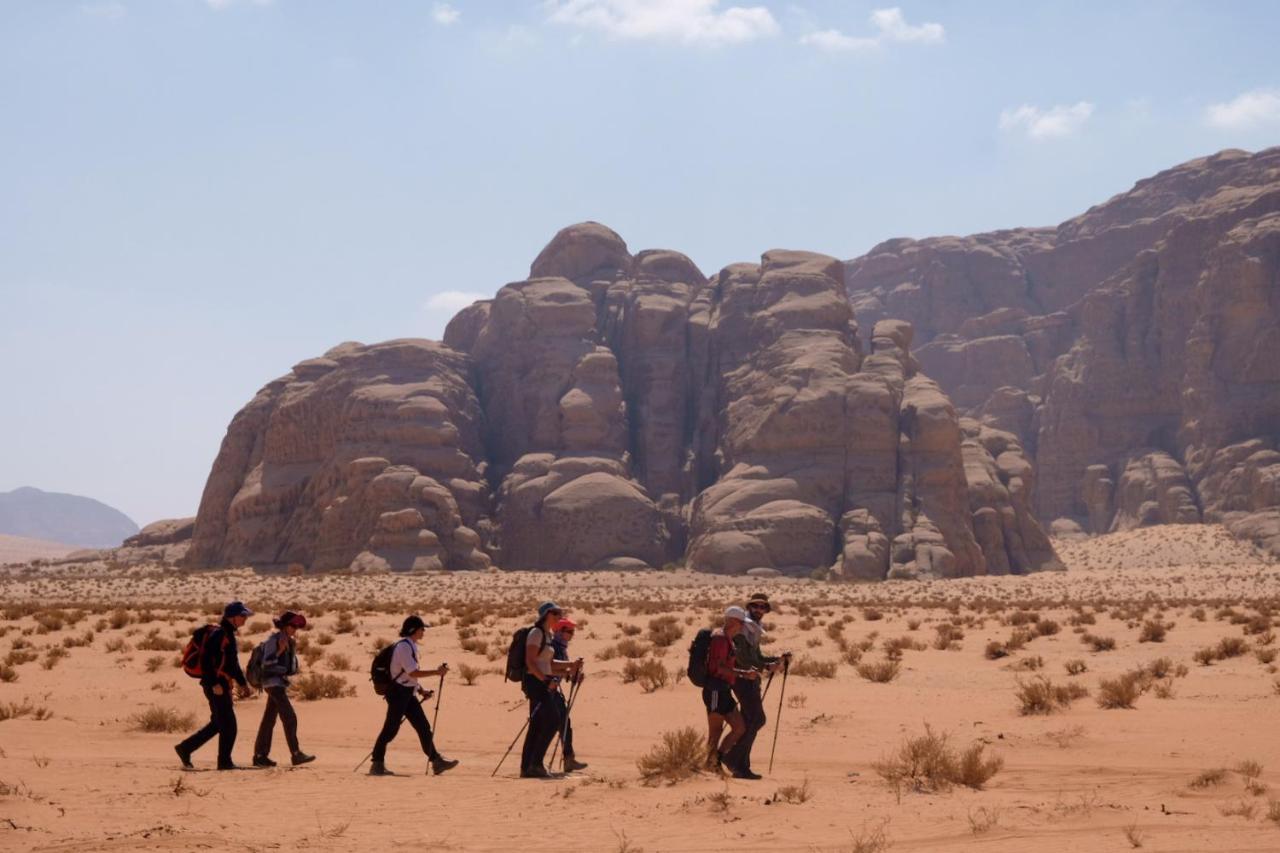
column 715, row 727
column 737, row 728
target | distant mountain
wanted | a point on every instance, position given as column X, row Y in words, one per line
column 69, row 519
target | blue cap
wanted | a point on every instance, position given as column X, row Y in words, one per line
column 546, row 607
column 236, row 608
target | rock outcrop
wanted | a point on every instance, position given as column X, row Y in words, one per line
column 626, row 411
column 1134, row 351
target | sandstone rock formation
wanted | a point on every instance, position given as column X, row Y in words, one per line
column 622, row 411
column 1134, row 350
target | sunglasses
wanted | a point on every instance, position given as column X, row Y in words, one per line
column 568, row 631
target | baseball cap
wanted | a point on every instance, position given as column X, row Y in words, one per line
column 236, row 608
column 546, row 607
column 288, row 618
column 736, row 612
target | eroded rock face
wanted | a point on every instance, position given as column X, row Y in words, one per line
column 622, row 411
column 1134, row 350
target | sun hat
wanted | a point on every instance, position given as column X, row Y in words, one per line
column 546, row 607
column 287, row 618
column 736, row 612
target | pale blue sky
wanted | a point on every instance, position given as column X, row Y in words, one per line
column 196, row 195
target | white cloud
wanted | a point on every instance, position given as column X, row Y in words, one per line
column 451, row 302
column 1248, row 110
column 1057, row 121
column 891, row 26
column 694, row 22
column 445, row 14
column 111, row 10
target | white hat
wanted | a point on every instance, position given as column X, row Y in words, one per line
column 736, row 612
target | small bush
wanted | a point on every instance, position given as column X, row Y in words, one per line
column 1075, row 666
column 632, row 649
column 946, row 636
column 1098, row 644
column 794, row 794
column 153, row 642
column 469, row 674
column 871, row 614
column 665, row 631
column 1208, row 778
column 1205, row 656
column 1273, row 811
column 995, row 650
column 1231, row 647
column 807, row 667
column 8, row 674
column 1047, row 627
column 651, row 675
column 346, row 623
column 14, row 710
column 1153, row 631
column 680, row 755
column 338, row 662
column 154, row 663
column 928, row 763
column 155, row 719
column 1265, row 656
column 1121, row 692
column 880, row 672
column 1042, row 696
column 315, row 685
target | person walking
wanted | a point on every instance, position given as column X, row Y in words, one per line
column 279, row 662
column 219, row 668
column 400, row 697
column 541, row 679
column 747, row 656
column 717, row 695
column 565, row 630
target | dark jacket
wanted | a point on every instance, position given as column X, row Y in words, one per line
column 748, row 654
column 220, row 662
column 560, row 649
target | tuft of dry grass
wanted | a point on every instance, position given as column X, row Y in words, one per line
column 469, row 674
column 1123, row 691
column 156, row 719
column 928, row 763
column 315, row 685
column 794, row 794
column 1098, row 644
column 1042, row 696
column 1075, row 666
column 1134, row 836
column 1241, row 808
column 1273, row 811
column 1153, row 631
column 651, row 675
column 880, row 672
column 665, row 631
column 1208, row 778
column 680, row 755
column 807, row 667
column 983, row 819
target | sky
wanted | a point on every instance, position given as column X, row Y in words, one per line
column 197, row 194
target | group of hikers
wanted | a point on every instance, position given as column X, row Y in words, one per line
column 727, row 663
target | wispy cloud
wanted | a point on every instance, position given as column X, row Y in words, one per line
column 450, row 302
column 112, row 10
column 445, row 14
column 1040, row 124
column 692, row 22
column 890, row 26
column 1248, row 110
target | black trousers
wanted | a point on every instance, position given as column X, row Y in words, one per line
column 278, row 704
column 752, row 705
column 222, row 722
column 401, row 706
column 546, row 716
column 566, row 726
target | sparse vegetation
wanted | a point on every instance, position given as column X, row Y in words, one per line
column 880, row 672
column 807, row 667
column 156, row 719
column 316, row 685
column 651, row 675
column 680, row 755
column 928, row 763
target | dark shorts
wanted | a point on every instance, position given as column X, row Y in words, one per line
column 718, row 699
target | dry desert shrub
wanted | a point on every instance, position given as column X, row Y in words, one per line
column 946, row 636
column 651, row 675
column 680, row 755
column 879, row 672
column 73, row 642
column 628, row 648
column 995, row 650
column 52, row 656
column 807, row 667
column 1273, row 811
column 157, row 719
column 1122, row 691
column 1249, row 769
column 1208, row 778
column 794, row 794
column 1047, row 627
column 871, row 614
column 8, row 674
column 1042, row 696
column 1164, row 689
column 324, row 638
column 1240, row 808
column 797, row 700
column 983, row 819
column 1265, row 656
column 469, row 674
column 895, row 647
column 1205, row 656
column 1153, row 631
column 1075, row 666
column 665, row 631
column 1134, row 836
column 630, row 630
column 15, row 710
column 346, row 623
column 154, row 663
column 871, row 839
column 315, row 685
column 928, row 763
column 1231, row 647
column 1098, row 644
column 338, row 662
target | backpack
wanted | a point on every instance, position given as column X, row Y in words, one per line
column 193, row 654
column 515, row 652
column 698, row 652
column 380, row 669
column 253, row 669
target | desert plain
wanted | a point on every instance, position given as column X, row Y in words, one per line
column 1175, row 622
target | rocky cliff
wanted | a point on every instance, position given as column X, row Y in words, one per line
column 1134, row 350
column 619, row 411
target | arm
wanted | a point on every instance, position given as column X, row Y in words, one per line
column 271, row 663
column 231, row 666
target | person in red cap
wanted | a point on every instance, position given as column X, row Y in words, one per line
column 279, row 662
column 560, row 643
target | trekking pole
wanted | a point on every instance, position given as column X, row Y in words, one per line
column 439, row 694
column 532, row 714
column 564, row 733
column 767, row 685
column 370, row 755
column 777, row 723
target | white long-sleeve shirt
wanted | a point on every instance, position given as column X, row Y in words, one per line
column 404, row 660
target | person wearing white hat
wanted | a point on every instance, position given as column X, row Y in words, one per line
column 717, row 695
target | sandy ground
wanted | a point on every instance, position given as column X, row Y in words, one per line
column 18, row 549
column 1083, row 778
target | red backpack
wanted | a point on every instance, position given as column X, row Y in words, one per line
column 193, row 654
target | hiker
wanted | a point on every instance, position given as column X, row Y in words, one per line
column 279, row 662
column 717, row 695
column 219, row 666
column 747, row 656
column 560, row 644
column 540, row 681
column 400, row 701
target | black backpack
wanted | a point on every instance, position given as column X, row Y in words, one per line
column 380, row 670
column 699, row 650
column 515, row 652
column 253, row 669
column 193, row 654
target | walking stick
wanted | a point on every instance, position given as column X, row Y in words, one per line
column 370, row 755
column 564, row 733
column 532, row 714
column 436, row 715
column 767, row 685
column 777, row 723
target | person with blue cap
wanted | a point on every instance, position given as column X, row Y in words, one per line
column 219, row 667
column 542, row 674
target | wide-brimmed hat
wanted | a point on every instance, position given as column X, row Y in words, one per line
column 287, row 618
column 762, row 599
column 736, row 612
column 547, row 607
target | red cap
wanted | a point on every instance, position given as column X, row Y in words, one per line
column 288, row 618
column 566, row 623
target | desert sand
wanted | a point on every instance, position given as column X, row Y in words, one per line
column 20, row 549
column 1081, row 778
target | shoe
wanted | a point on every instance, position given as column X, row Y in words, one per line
column 443, row 765
column 263, row 761
column 572, row 764
column 184, row 757
column 302, row 758
column 538, row 772
column 379, row 768
column 228, row 766
column 745, row 773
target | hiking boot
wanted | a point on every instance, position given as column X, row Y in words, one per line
column 745, row 773
column 185, row 757
column 538, row 772
column 302, row 758
column 443, row 765
column 263, row 761
column 379, row 768
column 571, row 764
column 228, row 765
